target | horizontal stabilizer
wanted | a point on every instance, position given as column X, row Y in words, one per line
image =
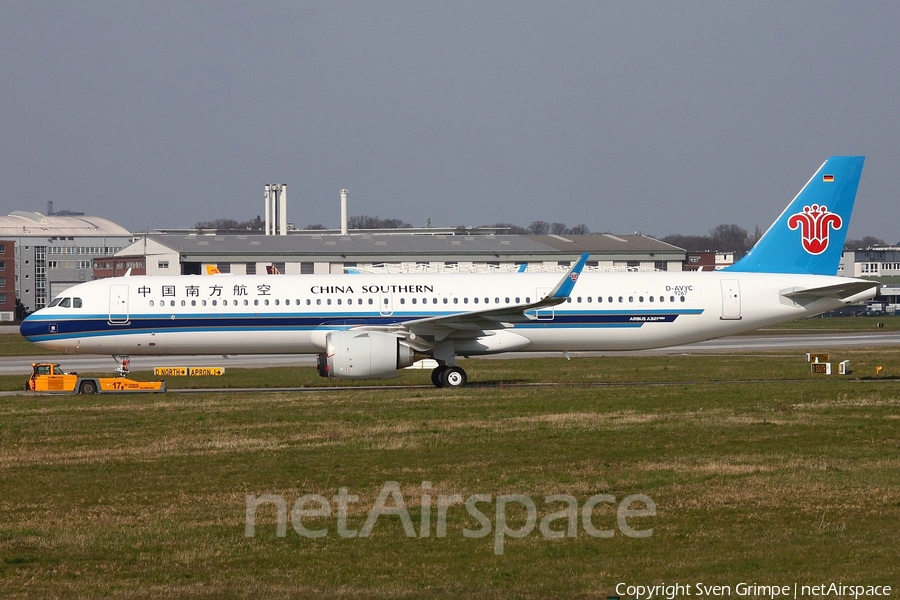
column 840, row 291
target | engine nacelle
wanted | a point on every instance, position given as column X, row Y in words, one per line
column 359, row 354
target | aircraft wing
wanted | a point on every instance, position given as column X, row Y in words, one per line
column 478, row 321
column 840, row 291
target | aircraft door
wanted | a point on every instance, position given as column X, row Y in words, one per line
column 731, row 300
column 118, row 303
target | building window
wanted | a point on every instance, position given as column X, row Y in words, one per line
column 162, row 264
column 307, row 268
column 661, row 265
column 2, row 265
column 251, row 268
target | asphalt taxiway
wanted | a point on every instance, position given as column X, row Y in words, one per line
column 805, row 342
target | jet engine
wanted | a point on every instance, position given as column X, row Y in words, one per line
column 360, row 354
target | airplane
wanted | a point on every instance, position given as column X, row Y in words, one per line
column 368, row 326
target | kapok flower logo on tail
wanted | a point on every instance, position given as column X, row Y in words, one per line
column 815, row 223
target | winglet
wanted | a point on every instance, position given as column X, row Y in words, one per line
column 564, row 287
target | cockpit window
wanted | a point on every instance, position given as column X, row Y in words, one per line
column 54, row 302
column 66, row 302
column 76, row 302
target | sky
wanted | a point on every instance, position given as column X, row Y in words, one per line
column 656, row 117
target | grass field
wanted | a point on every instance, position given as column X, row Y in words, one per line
column 759, row 471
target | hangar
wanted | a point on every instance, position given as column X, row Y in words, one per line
column 53, row 252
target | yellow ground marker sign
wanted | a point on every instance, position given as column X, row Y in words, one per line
column 188, row 371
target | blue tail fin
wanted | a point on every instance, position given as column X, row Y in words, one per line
column 809, row 235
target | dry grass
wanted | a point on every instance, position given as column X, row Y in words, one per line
column 145, row 497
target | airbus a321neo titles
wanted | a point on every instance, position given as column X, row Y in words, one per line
column 365, row 326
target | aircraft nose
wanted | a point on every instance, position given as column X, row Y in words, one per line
column 32, row 327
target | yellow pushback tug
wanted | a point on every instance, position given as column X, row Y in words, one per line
column 49, row 377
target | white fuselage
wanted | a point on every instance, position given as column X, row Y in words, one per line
column 259, row 314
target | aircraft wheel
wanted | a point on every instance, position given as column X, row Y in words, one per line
column 453, row 377
column 437, row 375
column 88, row 387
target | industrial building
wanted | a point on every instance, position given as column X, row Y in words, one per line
column 388, row 251
column 871, row 262
column 52, row 253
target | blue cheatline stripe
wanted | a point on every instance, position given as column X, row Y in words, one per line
column 50, row 328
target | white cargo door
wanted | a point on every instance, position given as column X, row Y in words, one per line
column 118, row 303
column 731, row 299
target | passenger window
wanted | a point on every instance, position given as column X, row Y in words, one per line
column 151, row 302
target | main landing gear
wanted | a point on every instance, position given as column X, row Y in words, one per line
column 448, row 377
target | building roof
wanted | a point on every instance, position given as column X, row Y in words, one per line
column 21, row 223
column 410, row 247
